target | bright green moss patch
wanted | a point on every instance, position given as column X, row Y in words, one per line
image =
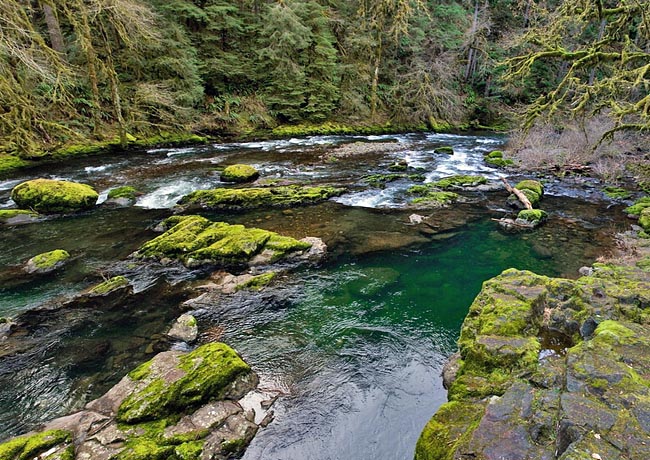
column 126, row 191
column 616, row 192
column 143, row 448
column 52, row 196
column 196, row 240
column 250, row 198
column 532, row 185
column 638, row 206
column 448, row 150
column 459, row 181
column 239, row 173
column 644, row 219
column 29, row 447
column 108, row 286
column 208, row 371
column 380, row 180
column 189, row 450
column 499, row 162
column 257, row 282
column 49, row 260
column 533, row 216
column 436, row 198
column 233, row 446
column 11, row 214
column 494, row 154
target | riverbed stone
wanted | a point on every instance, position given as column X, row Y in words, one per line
column 644, row 219
column 529, row 383
column 239, row 173
column 197, row 241
column 47, row 262
column 122, row 196
column 230, row 199
column 17, row 216
column 184, row 328
column 54, row 196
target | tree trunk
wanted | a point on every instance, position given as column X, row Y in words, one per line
column 471, row 56
column 601, row 32
column 53, row 29
column 375, row 81
column 518, row 193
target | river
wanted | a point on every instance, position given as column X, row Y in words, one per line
column 354, row 347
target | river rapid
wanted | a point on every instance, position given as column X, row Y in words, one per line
column 353, row 348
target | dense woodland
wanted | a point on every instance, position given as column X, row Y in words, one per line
column 74, row 71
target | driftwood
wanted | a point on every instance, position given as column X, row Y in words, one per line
column 518, row 193
column 511, row 222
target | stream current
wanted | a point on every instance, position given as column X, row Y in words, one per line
column 354, row 347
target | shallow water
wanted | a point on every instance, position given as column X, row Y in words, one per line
column 354, row 347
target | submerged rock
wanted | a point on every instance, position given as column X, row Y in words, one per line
column 250, row 198
column 122, row 196
column 176, row 406
column 549, row 369
column 448, row 150
column 54, row 196
column 239, row 174
column 47, row 262
column 17, row 216
column 196, row 241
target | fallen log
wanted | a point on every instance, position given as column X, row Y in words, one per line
column 518, row 193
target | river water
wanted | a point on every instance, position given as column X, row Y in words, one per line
column 354, row 347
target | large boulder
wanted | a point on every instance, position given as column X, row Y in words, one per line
column 54, row 196
column 550, row 369
column 47, row 262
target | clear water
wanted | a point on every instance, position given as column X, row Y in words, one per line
column 354, row 347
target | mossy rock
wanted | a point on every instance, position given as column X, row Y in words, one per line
column 459, row 181
column 108, row 286
column 532, row 185
column 533, row 217
column 494, row 154
column 54, row 196
column 17, row 216
column 239, row 173
column 380, row 180
column 204, row 375
column 195, row 240
column 125, row 192
column 498, row 161
column 532, row 196
column 47, row 262
column 447, row 150
column 257, row 283
column 638, row 206
column 436, row 198
column 399, row 166
column 31, row 446
column 251, row 198
column 644, row 219
column 617, row 193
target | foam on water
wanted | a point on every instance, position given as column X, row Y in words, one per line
column 166, row 196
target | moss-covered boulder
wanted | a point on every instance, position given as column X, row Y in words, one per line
column 47, row 262
column 459, row 181
column 54, row 196
column 495, row 158
column 109, row 286
column 122, row 196
column 534, row 191
column 239, row 173
column 195, row 240
column 200, row 376
column 533, row 185
column 548, row 369
column 251, row 198
column 51, row 444
column 446, row 149
column 17, row 216
column 616, row 193
column 531, row 217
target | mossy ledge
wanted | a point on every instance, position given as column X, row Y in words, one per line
column 54, row 196
column 543, row 364
column 229, row 199
column 32, row 446
column 195, row 241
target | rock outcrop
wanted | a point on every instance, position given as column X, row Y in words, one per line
column 54, row 196
column 178, row 406
column 550, row 369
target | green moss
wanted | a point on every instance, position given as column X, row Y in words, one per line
column 328, row 128
column 233, row 244
column 380, row 180
column 399, row 166
column 532, row 185
column 494, row 154
column 209, row 370
column 532, row 196
column 250, row 198
column 452, row 425
column 141, row 372
column 283, row 245
column 51, row 259
column 499, row 162
column 613, row 332
column 644, row 219
column 6, row 214
column 143, row 448
column 233, row 446
column 30, row 446
column 9, row 163
column 445, row 149
column 616, row 193
column 239, row 173
column 189, row 450
column 51, row 196
column 257, row 282
column 459, row 181
column 109, row 286
column 534, row 216
column 436, row 198
column 126, row 191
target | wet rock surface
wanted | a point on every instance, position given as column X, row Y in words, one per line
column 550, row 369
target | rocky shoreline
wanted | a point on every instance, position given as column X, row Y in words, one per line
column 550, row 369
